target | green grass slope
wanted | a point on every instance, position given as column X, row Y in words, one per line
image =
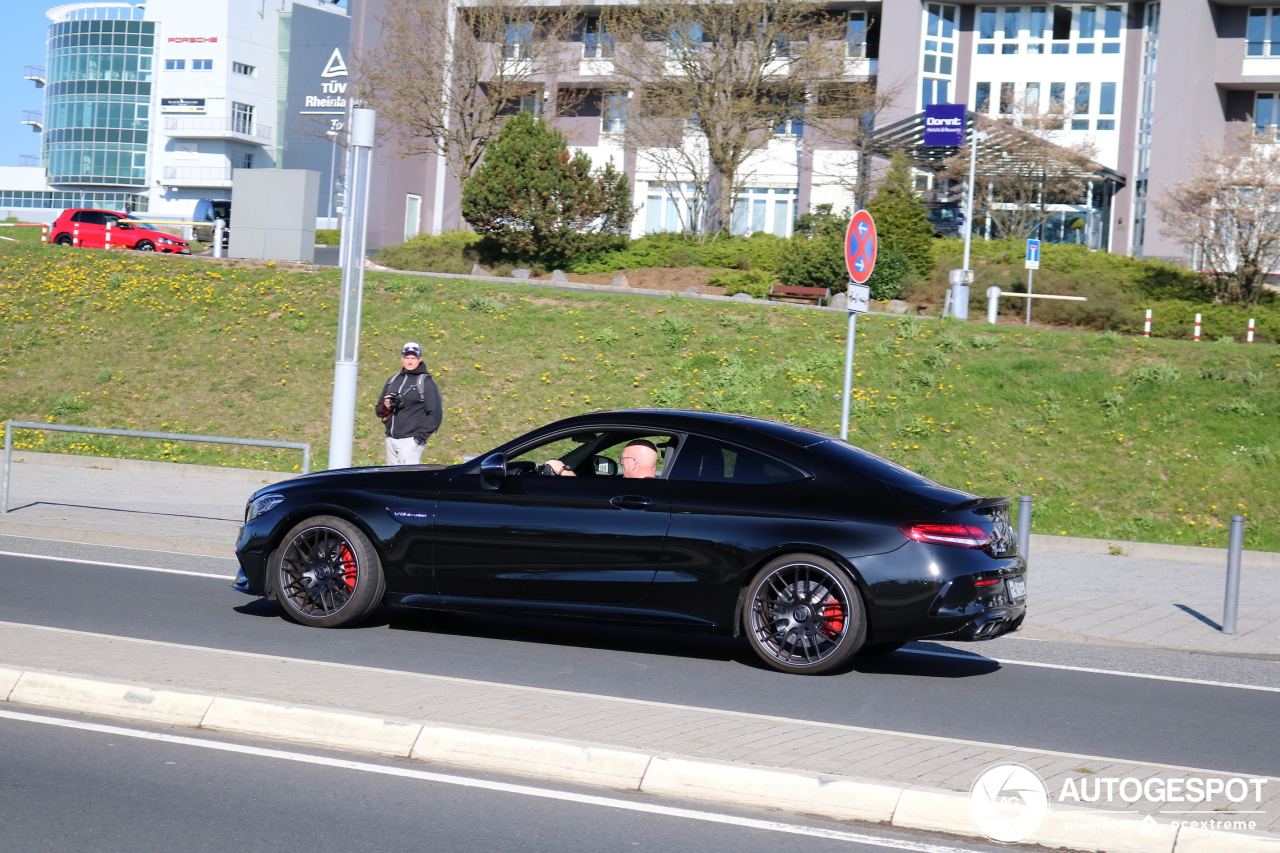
column 1117, row 437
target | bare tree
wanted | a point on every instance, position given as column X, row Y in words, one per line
column 445, row 78
column 1025, row 165
column 844, row 116
column 714, row 80
column 1229, row 212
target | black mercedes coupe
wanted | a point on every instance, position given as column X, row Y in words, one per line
column 814, row 549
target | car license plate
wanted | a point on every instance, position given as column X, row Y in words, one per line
column 1017, row 588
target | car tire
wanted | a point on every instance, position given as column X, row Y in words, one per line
column 64, row 240
column 145, row 246
column 803, row 615
column 326, row 573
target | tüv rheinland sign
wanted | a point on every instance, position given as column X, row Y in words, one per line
column 944, row 125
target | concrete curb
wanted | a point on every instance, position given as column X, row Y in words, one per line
column 147, row 466
column 120, row 540
column 831, row 796
column 1153, row 550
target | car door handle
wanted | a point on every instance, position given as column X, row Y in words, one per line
column 631, row 502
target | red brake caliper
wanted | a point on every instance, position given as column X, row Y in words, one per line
column 349, row 568
column 832, row 617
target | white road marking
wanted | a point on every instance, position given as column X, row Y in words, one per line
column 125, row 547
column 503, row 787
column 982, row 658
column 117, row 565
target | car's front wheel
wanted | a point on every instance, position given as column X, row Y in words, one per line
column 327, row 573
column 803, row 614
column 145, row 246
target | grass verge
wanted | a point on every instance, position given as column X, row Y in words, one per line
column 1117, row 437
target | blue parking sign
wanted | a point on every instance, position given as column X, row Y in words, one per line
column 1033, row 254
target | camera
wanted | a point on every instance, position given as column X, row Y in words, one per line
column 397, row 402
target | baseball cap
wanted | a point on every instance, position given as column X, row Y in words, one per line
column 411, row 348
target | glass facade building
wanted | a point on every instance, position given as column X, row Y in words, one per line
column 98, row 98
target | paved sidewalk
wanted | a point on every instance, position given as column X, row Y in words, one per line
column 745, row 739
column 1073, row 596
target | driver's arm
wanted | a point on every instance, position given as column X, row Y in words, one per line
column 559, row 468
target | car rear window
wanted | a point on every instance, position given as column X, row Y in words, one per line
column 706, row 460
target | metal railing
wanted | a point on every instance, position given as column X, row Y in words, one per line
column 239, row 124
column 10, row 426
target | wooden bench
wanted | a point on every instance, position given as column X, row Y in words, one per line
column 812, row 295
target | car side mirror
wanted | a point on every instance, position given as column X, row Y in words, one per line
column 493, row 471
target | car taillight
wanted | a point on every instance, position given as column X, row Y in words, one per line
column 955, row 535
column 987, row 582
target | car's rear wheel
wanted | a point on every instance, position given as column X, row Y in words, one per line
column 64, row 240
column 803, row 614
column 145, row 246
column 327, row 573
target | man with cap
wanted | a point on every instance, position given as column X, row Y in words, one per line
column 410, row 407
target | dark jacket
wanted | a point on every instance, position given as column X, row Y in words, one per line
column 423, row 410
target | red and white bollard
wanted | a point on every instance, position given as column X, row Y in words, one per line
column 1146, row 326
column 1248, row 338
column 44, row 233
column 107, row 244
column 75, row 235
column 1197, row 337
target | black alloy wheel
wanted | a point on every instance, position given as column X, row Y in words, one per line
column 803, row 614
column 145, row 246
column 327, row 573
column 64, row 240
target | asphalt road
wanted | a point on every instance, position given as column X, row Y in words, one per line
column 1110, row 715
column 119, row 789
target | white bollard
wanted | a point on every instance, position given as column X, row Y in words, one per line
column 1249, row 335
column 219, row 229
column 1197, row 332
column 44, row 233
column 1146, row 326
column 107, row 244
column 993, row 304
column 75, row 235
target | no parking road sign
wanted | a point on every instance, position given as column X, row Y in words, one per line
column 860, row 247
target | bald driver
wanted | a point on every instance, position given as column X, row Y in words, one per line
column 639, row 462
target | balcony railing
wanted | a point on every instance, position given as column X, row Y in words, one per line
column 35, row 119
column 217, row 127
column 35, row 74
column 199, row 177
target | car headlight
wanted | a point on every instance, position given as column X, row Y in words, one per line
column 258, row 506
column 169, row 242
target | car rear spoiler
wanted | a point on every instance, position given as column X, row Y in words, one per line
column 979, row 503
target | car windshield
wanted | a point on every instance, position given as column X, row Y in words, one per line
column 138, row 224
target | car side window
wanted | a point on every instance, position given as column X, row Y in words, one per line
column 706, row 460
column 91, row 217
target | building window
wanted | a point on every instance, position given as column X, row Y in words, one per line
column 939, row 53
column 982, row 98
column 1031, row 98
column 672, row 206
column 531, row 102
column 595, row 43
column 763, row 209
column 1263, row 33
column 175, row 64
column 855, row 35
column 202, row 65
column 1006, row 99
column 241, row 160
column 684, row 40
column 412, row 215
column 518, row 41
column 1265, row 114
column 242, row 118
column 614, row 116
column 246, row 70
column 1107, row 99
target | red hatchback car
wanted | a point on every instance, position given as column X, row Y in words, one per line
column 88, row 228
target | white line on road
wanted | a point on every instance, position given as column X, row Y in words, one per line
column 116, row 565
column 982, row 658
column 125, row 547
column 503, row 787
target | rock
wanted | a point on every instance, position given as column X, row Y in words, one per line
column 898, row 306
column 692, row 291
column 840, row 301
column 620, row 281
column 476, row 269
column 743, row 297
column 558, row 275
column 521, row 274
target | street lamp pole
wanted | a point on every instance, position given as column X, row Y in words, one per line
column 975, row 137
column 346, row 361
